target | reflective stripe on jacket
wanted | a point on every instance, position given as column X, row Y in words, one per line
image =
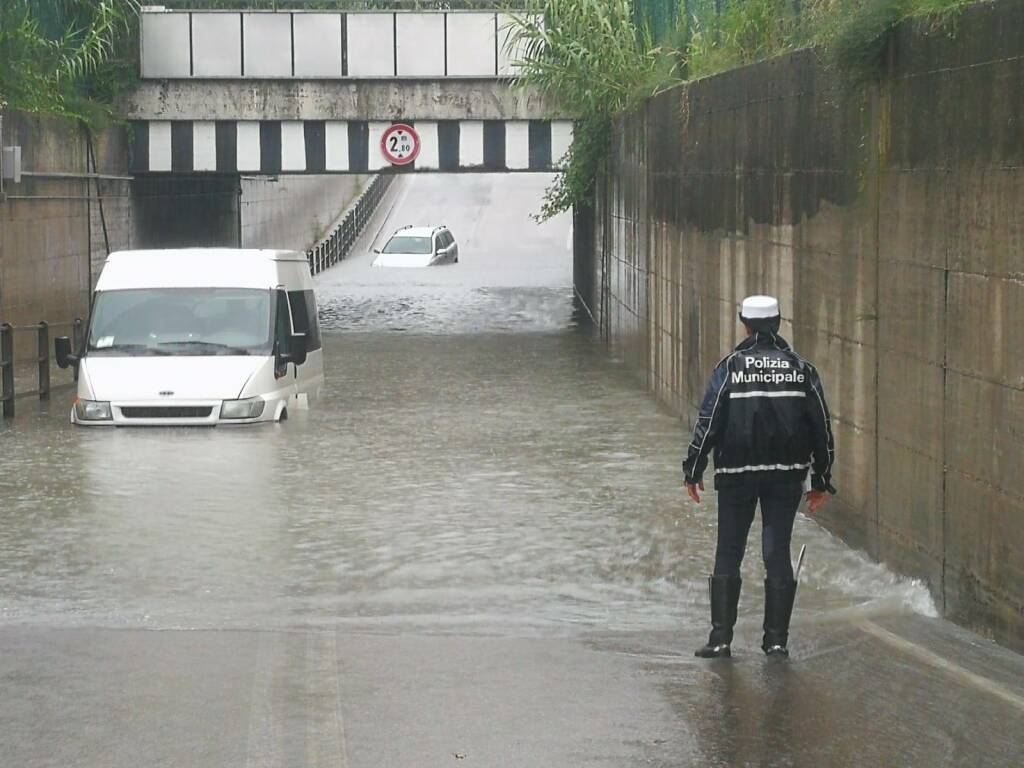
column 764, row 414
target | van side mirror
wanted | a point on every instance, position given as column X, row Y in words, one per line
column 62, row 350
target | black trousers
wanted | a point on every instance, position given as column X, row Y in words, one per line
column 736, row 505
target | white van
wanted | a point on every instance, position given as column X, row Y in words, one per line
column 198, row 336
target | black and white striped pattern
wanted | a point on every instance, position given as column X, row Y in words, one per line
column 330, row 146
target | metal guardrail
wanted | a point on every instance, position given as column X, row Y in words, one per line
column 44, row 351
column 337, row 246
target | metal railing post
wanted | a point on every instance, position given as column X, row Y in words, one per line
column 43, row 346
column 7, row 369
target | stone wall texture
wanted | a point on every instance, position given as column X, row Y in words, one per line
column 51, row 226
column 888, row 217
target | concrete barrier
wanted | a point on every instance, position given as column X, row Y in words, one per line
column 58, row 222
column 889, row 220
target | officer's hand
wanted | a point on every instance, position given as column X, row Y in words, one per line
column 691, row 488
column 815, row 499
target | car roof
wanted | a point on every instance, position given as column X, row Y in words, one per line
column 411, row 231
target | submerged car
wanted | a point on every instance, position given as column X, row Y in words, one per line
column 197, row 337
column 418, row 247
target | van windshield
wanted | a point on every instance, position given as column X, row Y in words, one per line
column 181, row 321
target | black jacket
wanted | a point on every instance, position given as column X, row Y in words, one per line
column 765, row 416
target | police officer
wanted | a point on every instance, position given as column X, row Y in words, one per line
column 765, row 417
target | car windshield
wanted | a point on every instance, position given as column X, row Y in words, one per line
column 181, row 321
column 406, row 244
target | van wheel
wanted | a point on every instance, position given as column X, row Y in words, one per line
column 284, row 415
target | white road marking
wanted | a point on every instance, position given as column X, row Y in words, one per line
column 964, row 676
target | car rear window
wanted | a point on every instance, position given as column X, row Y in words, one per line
column 406, row 244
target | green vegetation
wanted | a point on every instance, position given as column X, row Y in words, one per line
column 66, row 57
column 850, row 34
column 589, row 58
column 598, row 58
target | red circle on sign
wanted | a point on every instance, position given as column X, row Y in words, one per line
column 400, row 144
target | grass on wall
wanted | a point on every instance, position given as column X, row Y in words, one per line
column 596, row 59
column 851, row 34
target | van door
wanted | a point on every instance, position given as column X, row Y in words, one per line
column 286, row 374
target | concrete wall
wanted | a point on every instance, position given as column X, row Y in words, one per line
column 51, row 232
column 111, row 212
column 889, row 220
column 469, row 99
column 294, row 212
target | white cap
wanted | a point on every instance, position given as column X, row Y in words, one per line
column 759, row 307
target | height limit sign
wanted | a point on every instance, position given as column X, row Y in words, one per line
column 400, row 144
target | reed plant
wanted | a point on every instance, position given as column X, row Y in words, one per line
column 65, row 57
column 588, row 58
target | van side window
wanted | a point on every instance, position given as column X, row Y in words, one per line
column 304, row 317
column 282, row 323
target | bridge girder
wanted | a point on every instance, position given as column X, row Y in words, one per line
column 408, row 99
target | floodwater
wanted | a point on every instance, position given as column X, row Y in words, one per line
column 475, row 546
column 476, row 461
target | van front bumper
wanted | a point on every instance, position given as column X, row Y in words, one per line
column 191, row 413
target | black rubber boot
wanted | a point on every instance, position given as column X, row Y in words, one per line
column 779, row 595
column 725, row 596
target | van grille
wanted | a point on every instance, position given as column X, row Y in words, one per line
column 167, row 412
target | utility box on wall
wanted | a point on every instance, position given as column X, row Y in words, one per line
column 10, row 164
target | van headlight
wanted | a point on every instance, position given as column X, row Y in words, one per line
column 250, row 408
column 93, row 410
